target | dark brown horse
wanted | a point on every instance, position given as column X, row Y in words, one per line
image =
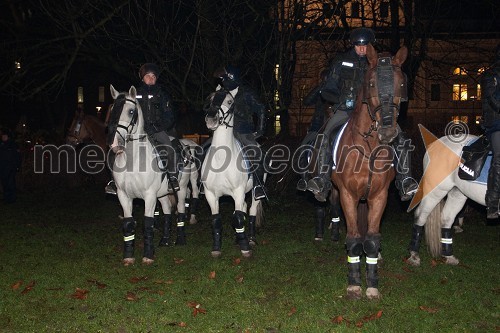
column 364, row 164
column 86, row 129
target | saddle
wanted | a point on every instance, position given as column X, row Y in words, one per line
column 474, row 156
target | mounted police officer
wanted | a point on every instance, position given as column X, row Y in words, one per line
column 159, row 120
column 346, row 76
column 246, row 107
column 490, row 85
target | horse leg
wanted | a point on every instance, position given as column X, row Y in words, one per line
column 238, row 225
column 181, row 210
column 148, row 230
column 254, row 217
column 354, row 251
column 319, row 216
column 371, row 246
column 193, row 210
column 335, row 211
column 216, row 235
column 454, row 204
column 128, row 229
column 167, row 217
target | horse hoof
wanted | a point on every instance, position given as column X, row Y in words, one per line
column 414, row 259
column 216, row 254
column 457, row 229
column 147, row 261
column 128, row 261
column 252, row 242
column 373, row 293
column 451, row 260
column 318, row 238
column 193, row 220
column 246, row 253
column 354, row 292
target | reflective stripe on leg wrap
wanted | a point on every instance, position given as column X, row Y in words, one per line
column 354, row 250
column 446, row 242
column 335, row 223
column 216, row 232
column 238, row 224
column 128, row 237
column 416, row 236
column 149, row 250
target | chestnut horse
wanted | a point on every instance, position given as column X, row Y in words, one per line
column 364, row 168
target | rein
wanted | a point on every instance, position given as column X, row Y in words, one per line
column 131, row 125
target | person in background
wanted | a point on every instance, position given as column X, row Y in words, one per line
column 490, row 86
column 10, row 163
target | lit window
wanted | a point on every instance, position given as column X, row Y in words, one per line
column 478, row 120
column 17, row 64
column 277, row 125
column 80, row 94
column 460, row 119
column 459, row 71
column 459, row 92
column 480, row 70
column 478, row 95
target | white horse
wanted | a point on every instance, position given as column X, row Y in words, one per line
column 224, row 172
column 443, row 196
column 137, row 175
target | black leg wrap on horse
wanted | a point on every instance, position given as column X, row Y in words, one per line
column 181, row 233
column 128, row 237
column 216, row 232
column 165, row 240
column 335, row 224
column 319, row 216
column 416, row 237
column 194, row 205
column 446, row 242
column 371, row 246
column 149, row 249
column 252, row 228
column 354, row 251
column 238, row 224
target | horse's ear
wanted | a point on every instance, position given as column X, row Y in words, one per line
column 401, row 55
column 114, row 92
column 371, row 55
column 132, row 92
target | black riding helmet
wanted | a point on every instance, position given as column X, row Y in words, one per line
column 229, row 77
column 362, row 36
column 149, row 68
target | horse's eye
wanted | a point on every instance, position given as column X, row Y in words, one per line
column 372, row 84
column 230, row 102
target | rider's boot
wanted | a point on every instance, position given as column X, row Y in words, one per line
column 149, row 249
column 181, row 233
column 165, row 239
column 259, row 192
column 405, row 183
column 321, row 184
column 167, row 157
column 493, row 190
column 304, row 177
column 111, row 186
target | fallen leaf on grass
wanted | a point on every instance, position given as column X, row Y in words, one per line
column 427, row 309
column 97, row 283
column 178, row 260
column 131, row 296
column 434, row 263
column 337, row 319
column 28, row 288
column 16, row 285
column 80, row 294
column 236, row 261
column 211, row 275
column 239, row 278
column 196, row 308
column 407, row 269
column 292, row 311
column 136, row 279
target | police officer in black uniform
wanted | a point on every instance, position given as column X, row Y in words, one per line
column 246, row 106
column 346, row 76
column 159, row 119
column 490, row 85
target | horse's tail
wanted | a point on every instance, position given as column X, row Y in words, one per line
column 363, row 218
column 259, row 215
column 433, row 230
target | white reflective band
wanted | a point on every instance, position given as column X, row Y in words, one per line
column 150, row 96
column 240, row 230
column 447, row 240
column 335, row 219
column 371, row 261
column 186, row 204
column 138, row 96
column 180, row 224
column 157, row 213
column 128, row 238
column 352, row 260
column 348, row 64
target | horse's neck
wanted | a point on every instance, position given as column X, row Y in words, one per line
column 223, row 136
column 361, row 124
column 97, row 132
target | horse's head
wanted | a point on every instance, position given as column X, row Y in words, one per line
column 219, row 108
column 384, row 89
column 124, row 118
column 77, row 132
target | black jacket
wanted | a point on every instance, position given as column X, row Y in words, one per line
column 156, row 107
column 490, row 85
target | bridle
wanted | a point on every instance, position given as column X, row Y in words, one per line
column 78, row 127
column 223, row 117
column 128, row 129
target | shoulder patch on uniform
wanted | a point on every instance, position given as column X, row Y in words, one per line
column 348, row 64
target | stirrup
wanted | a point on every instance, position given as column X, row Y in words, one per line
column 408, row 191
column 110, row 187
column 174, row 183
column 302, row 185
column 258, row 192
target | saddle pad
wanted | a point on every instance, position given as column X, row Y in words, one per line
column 336, row 144
column 483, row 176
column 245, row 159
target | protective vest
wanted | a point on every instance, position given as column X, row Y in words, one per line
column 156, row 108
